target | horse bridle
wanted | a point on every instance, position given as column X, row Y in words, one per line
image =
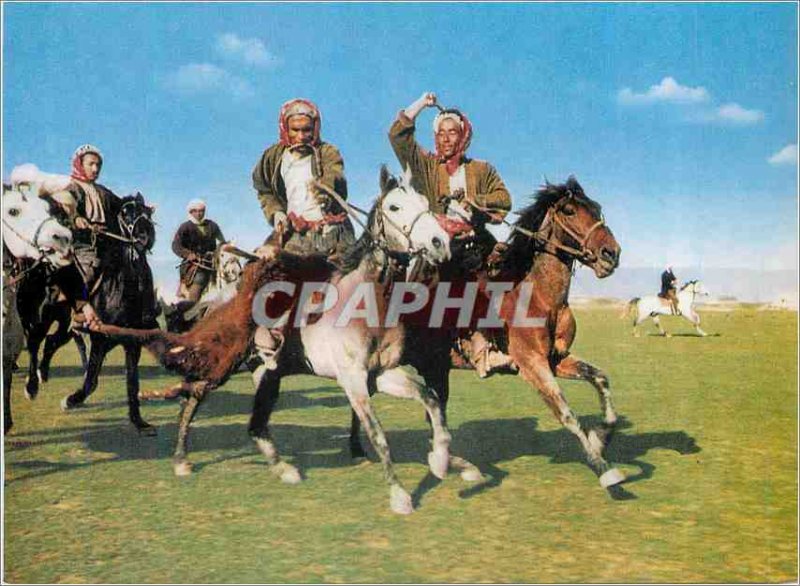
column 381, row 219
column 128, row 228
column 553, row 245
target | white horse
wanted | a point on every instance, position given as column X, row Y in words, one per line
column 653, row 306
column 29, row 231
column 362, row 356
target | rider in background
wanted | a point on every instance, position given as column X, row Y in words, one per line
column 306, row 219
column 469, row 192
column 669, row 289
column 195, row 242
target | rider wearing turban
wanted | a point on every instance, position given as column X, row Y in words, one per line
column 96, row 210
column 468, row 192
column 195, row 242
column 285, row 178
column 306, row 217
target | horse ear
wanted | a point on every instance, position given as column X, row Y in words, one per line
column 388, row 181
column 407, row 176
column 573, row 185
column 139, row 198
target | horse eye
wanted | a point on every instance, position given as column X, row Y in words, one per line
column 13, row 212
column 394, row 208
column 568, row 210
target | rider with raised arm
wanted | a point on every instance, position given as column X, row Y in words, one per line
column 195, row 242
column 306, row 217
column 468, row 191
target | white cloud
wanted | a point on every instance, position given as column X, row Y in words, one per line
column 668, row 90
column 736, row 114
column 786, row 156
column 200, row 78
column 250, row 51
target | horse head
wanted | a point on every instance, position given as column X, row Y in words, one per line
column 403, row 222
column 136, row 221
column 696, row 287
column 227, row 264
column 571, row 225
column 30, row 230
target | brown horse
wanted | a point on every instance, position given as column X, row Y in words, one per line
column 560, row 227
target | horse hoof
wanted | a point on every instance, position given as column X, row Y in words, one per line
column 182, row 468
column 438, row 462
column 67, row 405
column 611, row 478
column 288, row 473
column 31, row 393
column 401, row 501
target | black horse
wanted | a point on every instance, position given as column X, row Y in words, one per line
column 124, row 297
column 41, row 304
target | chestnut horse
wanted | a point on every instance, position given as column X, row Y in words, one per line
column 560, row 227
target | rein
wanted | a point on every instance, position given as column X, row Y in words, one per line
column 545, row 238
column 381, row 218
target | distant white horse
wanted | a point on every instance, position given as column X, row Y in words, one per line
column 653, row 306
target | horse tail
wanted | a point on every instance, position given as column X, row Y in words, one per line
column 629, row 308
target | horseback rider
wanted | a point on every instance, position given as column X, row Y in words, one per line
column 669, row 289
column 306, row 219
column 469, row 192
column 195, row 242
column 92, row 218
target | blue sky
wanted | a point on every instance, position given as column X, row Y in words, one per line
column 680, row 119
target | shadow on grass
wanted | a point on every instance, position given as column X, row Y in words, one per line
column 487, row 444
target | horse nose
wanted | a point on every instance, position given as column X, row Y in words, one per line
column 608, row 254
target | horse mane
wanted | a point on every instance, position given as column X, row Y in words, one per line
column 687, row 284
column 520, row 255
column 353, row 256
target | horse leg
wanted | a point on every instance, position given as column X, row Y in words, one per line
column 535, row 369
column 403, row 383
column 81, row 344
column 173, row 392
column 180, row 463
column 34, row 337
column 51, row 345
column 573, row 368
column 695, row 319
column 8, row 422
column 357, row 451
column 99, row 347
column 354, row 383
column 661, row 330
column 268, row 387
column 133, row 353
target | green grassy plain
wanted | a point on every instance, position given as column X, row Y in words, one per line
column 709, row 441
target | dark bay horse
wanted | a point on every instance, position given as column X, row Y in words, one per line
column 122, row 297
column 560, row 227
